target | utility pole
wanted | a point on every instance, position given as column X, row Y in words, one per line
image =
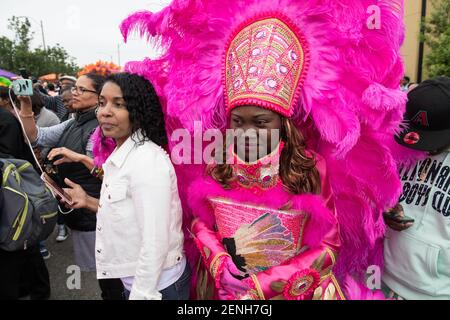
column 43, row 36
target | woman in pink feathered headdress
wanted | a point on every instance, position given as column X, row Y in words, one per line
column 276, row 237
column 325, row 69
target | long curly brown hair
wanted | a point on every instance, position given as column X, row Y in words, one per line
column 298, row 171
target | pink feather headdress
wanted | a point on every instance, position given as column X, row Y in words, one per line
column 349, row 101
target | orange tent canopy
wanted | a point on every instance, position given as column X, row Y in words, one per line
column 49, row 77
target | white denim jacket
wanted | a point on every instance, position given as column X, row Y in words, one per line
column 139, row 218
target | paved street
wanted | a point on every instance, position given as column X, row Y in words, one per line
column 61, row 258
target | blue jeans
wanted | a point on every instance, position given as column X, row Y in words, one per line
column 177, row 291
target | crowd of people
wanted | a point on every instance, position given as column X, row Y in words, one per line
column 273, row 220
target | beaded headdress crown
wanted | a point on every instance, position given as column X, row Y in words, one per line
column 265, row 64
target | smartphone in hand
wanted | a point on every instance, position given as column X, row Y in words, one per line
column 398, row 218
column 22, row 87
column 51, row 184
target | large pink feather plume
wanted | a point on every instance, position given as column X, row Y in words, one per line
column 350, row 102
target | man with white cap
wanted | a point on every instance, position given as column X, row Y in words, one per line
column 67, row 81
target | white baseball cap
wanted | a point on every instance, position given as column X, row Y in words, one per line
column 68, row 78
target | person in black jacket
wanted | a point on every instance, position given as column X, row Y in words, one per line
column 11, row 137
column 24, row 272
column 5, row 101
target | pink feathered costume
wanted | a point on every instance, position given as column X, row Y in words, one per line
column 295, row 267
column 347, row 103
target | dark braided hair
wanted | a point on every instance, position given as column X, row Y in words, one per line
column 143, row 106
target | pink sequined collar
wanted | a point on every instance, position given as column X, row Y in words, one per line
column 260, row 175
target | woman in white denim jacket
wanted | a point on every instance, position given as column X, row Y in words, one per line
column 139, row 217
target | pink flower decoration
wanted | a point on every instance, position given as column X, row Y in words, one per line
column 302, row 285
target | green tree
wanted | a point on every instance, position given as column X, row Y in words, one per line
column 17, row 53
column 23, row 34
column 438, row 39
column 6, row 53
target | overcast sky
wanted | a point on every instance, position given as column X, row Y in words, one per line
column 87, row 29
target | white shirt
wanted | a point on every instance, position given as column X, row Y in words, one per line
column 139, row 218
column 167, row 278
column 417, row 260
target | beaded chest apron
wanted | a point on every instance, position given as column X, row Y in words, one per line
column 258, row 238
